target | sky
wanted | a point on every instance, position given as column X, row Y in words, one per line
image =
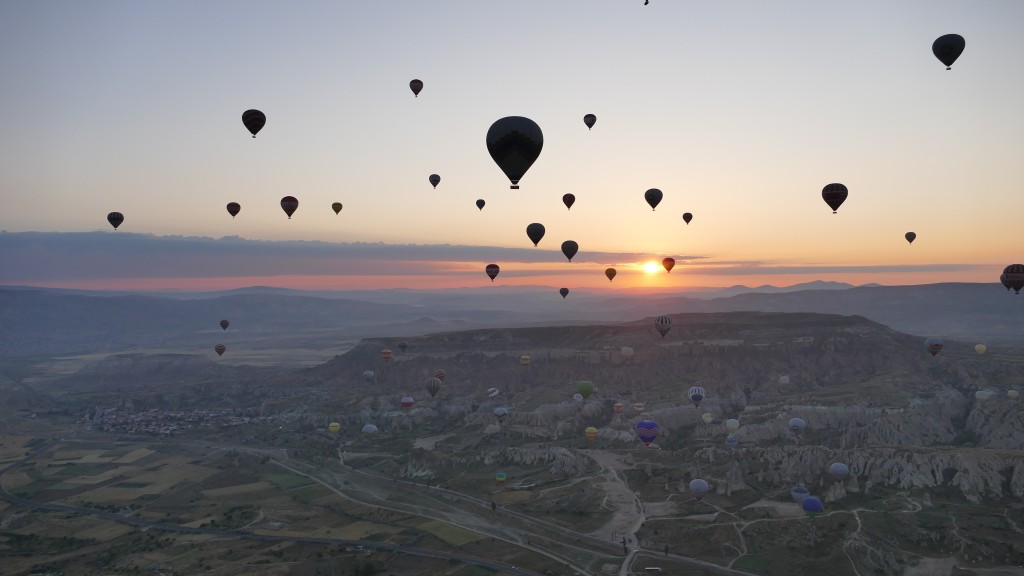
column 740, row 112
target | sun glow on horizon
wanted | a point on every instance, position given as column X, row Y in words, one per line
column 651, row 267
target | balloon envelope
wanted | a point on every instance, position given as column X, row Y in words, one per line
column 934, row 345
column 812, row 505
column 663, row 324
column 797, row 425
column 416, row 85
column 706, row 418
column 402, row 345
column 948, row 48
column 434, row 180
column 585, row 388
column 732, row 424
column 234, row 208
column 369, row 429
column 334, row 427
column 254, row 121
column 610, row 273
column 492, row 392
column 798, row 493
column 115, row 219
column 653, row 197
column 220, row 349
column 839, row 471
column 669, row 264
column 910, row 236
column 980, row 349
column 386, row 355
column 492, row 271
column 1014, row 277
column 590, row 120
column 696, row 394
column 647, row 431
column 590, row 433
column 336, row 207
column 564, row 292
column 569, row 249
column 834, row 195
column 289, row 204
column 568, row 200
column 698, row 487
column 687, row 217
column 480, row 204
column 514, row 143
column 535, row 232
column 433, row 386
column 224, row 324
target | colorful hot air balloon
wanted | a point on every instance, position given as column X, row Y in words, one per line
column 568, row 200
column 638, row 407
column 386, row 355
column 980, row 349
column 369, row 429
column 440, row 374
column 653, row 197
column 910, row 236
column 732, row 424
column 948, row 48
column 585, row 388
column 254, row 121
column 433, row 386
column 514, row 142
column 669, row 264
column 535, row 232
column 334, row 427
column 934, row 345
column 289, row 204
column 577, row 397
column 618, row 407
column 590, row 433
column 569, row 249
column 406, row 403
column 224, row 324
column 834, row 195
column 480, row 204
column 663, row 324
column 838, row 471
column 524, row 360
column 234, row 208
column 434, row 180
column 402, row 345
column 336, row 207
column 797, row 425
column 626, row 352
column 687, row 217
column 610, row 273
column 492, row 392
column 1014, row 277
column 492, row 271
column 696, row 394
column 220, row 349
column 647, row 431
column 590, row 120
column 115, row 219
column 416, row 85
column 812, row 506
column 564, row 292
column 798, row 493
column 707, row 418
column 500, row 478
column 500, row 413
column 698, row 487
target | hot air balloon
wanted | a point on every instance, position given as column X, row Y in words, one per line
column 647, row 431
column 564, row 292
column 434, row 180
column 669, row 264
column 254, row 121
column 568, row 200
column 585, row 388
column 910, row 236
column 698, row 487
column 626, row 352
column 369, row 376
column 577, row 397
column 590, row 433
column 524, row 360
column 653, row 197
column 500, row 478
column 433, row 386
column 687, row 217
column 386, row 355
column 1013, row 394
column 407, row 403
column 1005, row 281
column 369, row 429
column 590, row 120
column 115, row 219
column 797, row 425
column 500, row 413
column 732, row 424
column 220, row 349
column 838, row 471
column 535, row 232
column 480, row 204
column 1014, row 277
column 234, row 208
column 492, row 392
column 812, row 506
column 492, row 271
column 948, row 48
column 834, row 195
column 798, row 493
column 980, row 349
column 663, row 324
column 334, row 427
column 336, row 207
column 610, row 273
column 983, row 394
column 934, row 345
column 514, row 143
column 618, row 407
column 289, row 204
column 707, row 418
column 570, row 248
column 440, row 374
column 784, row 379
column 696, row 394
column 416, row 85
column 731, row 441
column 224, row 324
column 402, row 345
column 638, row 407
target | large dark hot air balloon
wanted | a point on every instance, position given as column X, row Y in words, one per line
column 590, row 120
column 234, row 208
column 669, row 264
column 568, row 200
column 812, row 505
column 834, row 195
column 564, row 292
column 289, row 204
column 948, row 48
column 492, row 271
column 220, row 349
column 402, row 345
column 663, row 324
column 480, row 204
column 535, row 232
column 434, row 180
column 336, row 207
column 115, row 219
column 910, row 236
column 1014, row 277
column 1005, row 281
column 514, row 143
column 570, row 248
column 687, row 217
column 254, row 121
column 224, row 324
column 433, row 386
column 934, row 345
column 653, row 197
column 610, row 273
column 416, row 86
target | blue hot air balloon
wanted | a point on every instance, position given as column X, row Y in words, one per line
column 647, row 431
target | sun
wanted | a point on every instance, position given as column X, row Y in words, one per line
column 651, row 267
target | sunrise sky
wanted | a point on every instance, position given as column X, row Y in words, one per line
column 740, row 112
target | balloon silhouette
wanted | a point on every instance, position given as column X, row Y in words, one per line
column 590, row 120
column 535, row 232
column 568, row 200
column 514, row 143
column 254, row 121
column 564, row 292
column 336, row 207
column 570, row 248
column 492, row 271
column 948, row 48
column 289, row 204
column 480, row 204
column 834, row 195
column 115, row 219
column 234, row 208
column 224, row 324
column 416, row 86
column 910, row 236
column 434, row 180
column 220, row 349
column 687, row 217
column 610, row 273
column 653, row 197
column 669, row 264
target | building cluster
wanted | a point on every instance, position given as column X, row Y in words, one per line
column 167, row 422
